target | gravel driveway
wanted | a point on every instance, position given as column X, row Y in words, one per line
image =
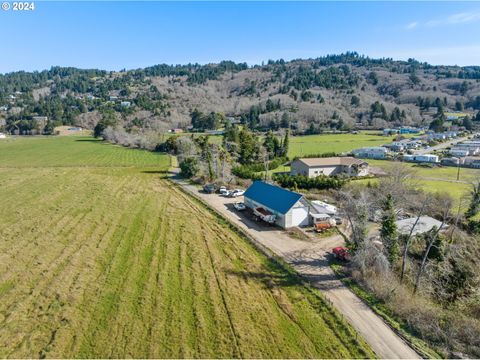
column 309, row 258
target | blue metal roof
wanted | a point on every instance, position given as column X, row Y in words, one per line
column 273, row 197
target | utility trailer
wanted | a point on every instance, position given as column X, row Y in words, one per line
column 265, row 215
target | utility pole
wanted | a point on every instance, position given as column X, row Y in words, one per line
column 458, row 170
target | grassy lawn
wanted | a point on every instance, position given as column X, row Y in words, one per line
column 438, row 179
column 73, row 151
column 101, row 257
column 317, row 144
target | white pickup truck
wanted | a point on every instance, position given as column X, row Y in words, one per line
column 264, row 215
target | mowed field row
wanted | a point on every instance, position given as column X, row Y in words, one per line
column 72, row 151
column 117, row 262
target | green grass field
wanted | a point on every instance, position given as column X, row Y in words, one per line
column 439, row 179
column 317, row 144
column 101, row 257
column 73, row 151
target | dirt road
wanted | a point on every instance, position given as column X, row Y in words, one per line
column 309, row 258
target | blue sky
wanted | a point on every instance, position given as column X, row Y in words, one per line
column 114, row 35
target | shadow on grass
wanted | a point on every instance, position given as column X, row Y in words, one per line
column 156, row 172
column 269, row 280
column 90, row 140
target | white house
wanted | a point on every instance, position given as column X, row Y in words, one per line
column 376, row 152
column 428, row 158
column 290, row 208
column 473, row 149
column 313, row 167
column 125, row 103
column 473, row 162
column 459, row 152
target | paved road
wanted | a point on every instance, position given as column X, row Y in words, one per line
column 440, row 146
column 309, row 258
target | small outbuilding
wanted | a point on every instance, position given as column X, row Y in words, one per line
column 290, row 208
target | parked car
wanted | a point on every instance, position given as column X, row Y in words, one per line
column 209, row 188
column 341, row 253
column 224, row 191
column 338, row 220
column 236, row 192
column 240, row 206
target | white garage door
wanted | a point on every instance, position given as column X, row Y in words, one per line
column 300, row 216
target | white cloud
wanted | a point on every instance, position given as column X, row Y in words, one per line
column 454, row 19
column 412, row 25
column 465, row 17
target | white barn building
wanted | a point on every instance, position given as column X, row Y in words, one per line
column 289, row 208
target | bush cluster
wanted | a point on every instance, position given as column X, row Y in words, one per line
column 304, row 182
column 251, row 171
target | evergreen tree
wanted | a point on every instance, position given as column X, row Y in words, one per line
column 286, row 143
column 355, row 100
column 248, row 147
column 388, row 231
column 285, row 121
column 467, row 123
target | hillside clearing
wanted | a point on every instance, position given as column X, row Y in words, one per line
column 100, row 257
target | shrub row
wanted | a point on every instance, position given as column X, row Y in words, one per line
column 251, row 171
column 304, row 182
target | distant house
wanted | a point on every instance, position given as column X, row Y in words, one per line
column 390, row 131
column 4, row 108
column 376, row 152
column 473, row 162
column 396, row 146
column 455, row 115
column 113, row 98
column 439, row 136
column 409, row 130
column 313, row 167
column 472, row 148
column 3, row 136
column 40, row 118
column 176, row 131
column 290, row 208
column 459, row 152
column 233, row 120
column 451, row 161
column 427, row 158
column 424, row 224
column 125, row 104
column 215, row 132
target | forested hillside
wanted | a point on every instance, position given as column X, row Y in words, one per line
column 333, row 92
